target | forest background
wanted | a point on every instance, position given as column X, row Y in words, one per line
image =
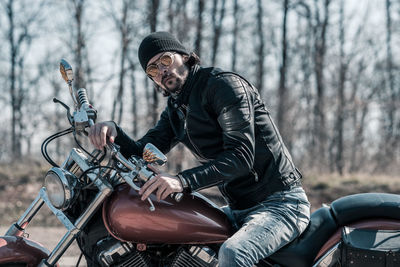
column 328, row 71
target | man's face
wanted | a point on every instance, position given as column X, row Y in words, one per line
column 168, row 70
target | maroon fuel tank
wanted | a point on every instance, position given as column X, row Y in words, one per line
column 16, row 249
column 193, row 220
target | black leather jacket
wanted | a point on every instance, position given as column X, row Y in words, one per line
column 221, row 118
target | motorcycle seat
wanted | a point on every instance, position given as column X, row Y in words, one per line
column 366, row 205
column 325, row 221
column 302, row 251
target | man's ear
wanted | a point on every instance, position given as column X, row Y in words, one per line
column 185, row 58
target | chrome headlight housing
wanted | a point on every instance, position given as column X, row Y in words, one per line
column 60, row 185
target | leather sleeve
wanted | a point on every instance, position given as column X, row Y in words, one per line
column 161, row 135
column 230, row 99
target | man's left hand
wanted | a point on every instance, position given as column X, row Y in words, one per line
column 164, row 183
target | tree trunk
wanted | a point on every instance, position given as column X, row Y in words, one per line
column 79, row 6
column 171, row 15
column 134, row 99
column 217, row 20
column 235, row 34
column 199, row 28
column 153, row 11
column 282, row 90
column 13, row 65
column 390, row 107
column 183, row 25
column 123, row 27
column 341, row 100
column 306, row 56
column 260, row 51
column 319, row 65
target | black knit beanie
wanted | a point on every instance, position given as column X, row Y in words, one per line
column 158, row 42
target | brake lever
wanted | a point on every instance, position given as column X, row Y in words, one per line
column 114, row 149
column 137, row 188
column 69, row 116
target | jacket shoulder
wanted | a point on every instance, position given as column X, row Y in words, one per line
column 226, row 82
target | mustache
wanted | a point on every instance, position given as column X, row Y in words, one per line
column 166, row 76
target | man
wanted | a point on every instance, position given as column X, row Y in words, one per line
column 221, row 118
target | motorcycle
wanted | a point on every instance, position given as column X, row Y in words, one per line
column 182, row 230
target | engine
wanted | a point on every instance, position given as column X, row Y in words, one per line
column 195, row 256
column 124, row 254
column 120, row 254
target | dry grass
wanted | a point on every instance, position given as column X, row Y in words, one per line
column 326, row 188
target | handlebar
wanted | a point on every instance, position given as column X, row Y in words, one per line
column 85, row 116
column 82, row 97
column 139, row 167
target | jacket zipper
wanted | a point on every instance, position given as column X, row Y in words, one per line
column 194, row 146
column 187, row 133
column 253, row 171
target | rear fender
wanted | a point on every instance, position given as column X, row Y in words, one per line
column 16, row 249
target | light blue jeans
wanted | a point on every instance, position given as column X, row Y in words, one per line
column 265, row 228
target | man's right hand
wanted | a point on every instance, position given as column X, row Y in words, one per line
column 99, row 132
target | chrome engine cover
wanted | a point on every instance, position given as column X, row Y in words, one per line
column 195, row 257
column 120, row 254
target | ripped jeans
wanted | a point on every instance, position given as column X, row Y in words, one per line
column 265, row 228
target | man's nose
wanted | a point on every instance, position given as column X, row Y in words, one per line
column 162, row 68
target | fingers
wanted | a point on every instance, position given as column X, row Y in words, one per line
column 160, row 192
column 166, row 193
column 112, row 132
column 149, row 187
column 153, row 168
column 164, row 184
column 103, row 136
column 94, row 132
column 99, row 132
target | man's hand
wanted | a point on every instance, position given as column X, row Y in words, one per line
column 164, row 183
column 99, row 132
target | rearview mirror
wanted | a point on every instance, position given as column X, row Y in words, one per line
column 151, row 154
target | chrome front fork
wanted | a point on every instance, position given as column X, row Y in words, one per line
column 105, row 189
column 18, row 228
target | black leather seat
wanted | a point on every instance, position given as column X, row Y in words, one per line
column 325, row 221
column 302, row 251
column 367, row 205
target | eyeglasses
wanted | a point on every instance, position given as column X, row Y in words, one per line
column 166, row 60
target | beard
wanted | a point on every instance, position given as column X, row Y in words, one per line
column 174, row 83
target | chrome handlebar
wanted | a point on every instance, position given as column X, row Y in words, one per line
column 138, row 168
column 85, row 116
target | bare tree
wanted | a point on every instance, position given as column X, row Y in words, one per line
column 78, row 9
column 20, row 33
column 260, row 50
column 125, row 30
column 303, row 44
column 282, row 90
column 134, row 97
column 217, row 20
column 199, row 28
column 171, row 15
column 235, row 34
column 341, row 100
column 319, row 28
column 390, row 106
column 153, row 7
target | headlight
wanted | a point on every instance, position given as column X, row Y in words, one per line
column 60, row 187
